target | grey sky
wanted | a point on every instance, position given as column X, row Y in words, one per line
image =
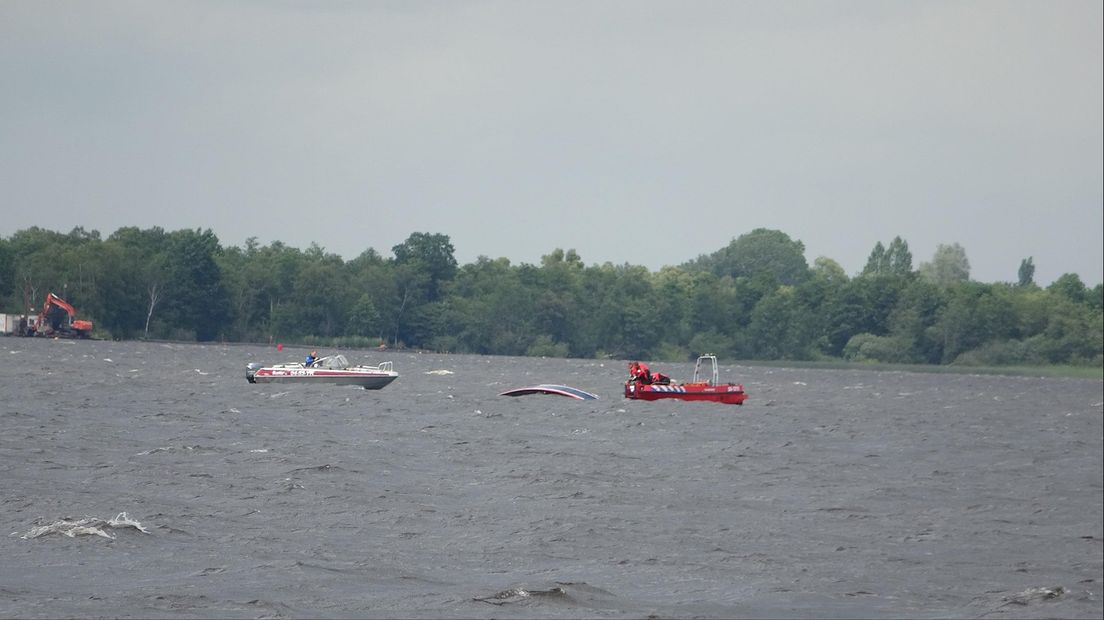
column 637, row 131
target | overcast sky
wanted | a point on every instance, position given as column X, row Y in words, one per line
column 638, row 132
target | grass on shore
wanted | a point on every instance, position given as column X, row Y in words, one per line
column 1069, row 372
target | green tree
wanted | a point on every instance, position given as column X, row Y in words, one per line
column 829, row 271
column 67, row 265
column 895, row 261
column 899, row 258
column 1074, row 334
column 264, row 291
column 709, row 305
column 641, row 326
column 37, row 268
column 818, row 299
column 424, row 264
column 403, row 315
column 371, row 275
column 672, row 289
column 7, row 276
column 776, row 327
column 759, row 252
column 318, row 302
column 910, row 322
column 79, row 262
column 1070, row 286
column 135, row 279
column 948, row 266
column 364, row 318
column 877, row 262
column 488, row 310
column 195, row 301
column 556, row 289
column 975, row 314
column 1027, row 271
column 430, row 256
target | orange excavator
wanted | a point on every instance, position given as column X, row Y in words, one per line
column 56, row 319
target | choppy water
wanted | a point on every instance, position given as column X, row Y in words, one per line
column 829, row 494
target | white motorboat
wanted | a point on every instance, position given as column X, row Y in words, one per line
column 334, row 369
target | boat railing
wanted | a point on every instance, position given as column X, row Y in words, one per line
column 385, row 367
column 697, row 370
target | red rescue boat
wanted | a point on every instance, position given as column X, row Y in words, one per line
column 643, row 385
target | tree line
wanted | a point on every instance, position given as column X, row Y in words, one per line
column 755, row 299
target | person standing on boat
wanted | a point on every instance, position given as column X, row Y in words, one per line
column 312, row 357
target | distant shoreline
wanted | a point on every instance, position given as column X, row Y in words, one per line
column 1068, row 372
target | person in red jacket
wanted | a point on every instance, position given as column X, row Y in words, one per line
column 639, row 372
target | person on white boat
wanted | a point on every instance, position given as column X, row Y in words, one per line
column 312, row 357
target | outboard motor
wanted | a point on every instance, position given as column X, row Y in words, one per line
column 251, row 370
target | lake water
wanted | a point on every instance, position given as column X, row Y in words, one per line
column 830, row 493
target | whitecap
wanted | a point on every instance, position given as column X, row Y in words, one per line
column 152, row 450
column 88, row 526
column 1036, row 594
column 122, row 520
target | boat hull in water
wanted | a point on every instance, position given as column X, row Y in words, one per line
column 548, row 388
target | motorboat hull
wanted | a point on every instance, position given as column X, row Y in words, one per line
column 364, row 380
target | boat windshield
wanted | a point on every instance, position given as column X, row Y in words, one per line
column 333, row 361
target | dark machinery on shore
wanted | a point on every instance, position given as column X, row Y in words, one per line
column 57, row 320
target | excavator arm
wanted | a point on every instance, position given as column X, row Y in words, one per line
column 77, row 327
column 54, row 300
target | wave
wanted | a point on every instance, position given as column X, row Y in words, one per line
column 88, row 526
column 577, row 592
